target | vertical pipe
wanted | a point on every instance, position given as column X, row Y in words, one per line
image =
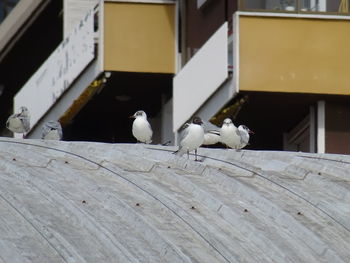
column 321, row 127
column 312, row 130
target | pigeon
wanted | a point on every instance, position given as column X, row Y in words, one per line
column 19, row 122
column 192, row 138
column 244, row 132
column 51, row 130
column 230, row 135
column 141, row 129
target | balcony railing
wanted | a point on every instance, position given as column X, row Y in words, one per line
column 333, row 7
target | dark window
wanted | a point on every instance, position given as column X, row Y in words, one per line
column 6, row 7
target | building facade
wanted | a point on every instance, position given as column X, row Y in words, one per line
column 279, row 67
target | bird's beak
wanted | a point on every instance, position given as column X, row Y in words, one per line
column 251, row 132
column 132, row 117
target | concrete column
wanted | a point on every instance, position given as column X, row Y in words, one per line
column 321, row 130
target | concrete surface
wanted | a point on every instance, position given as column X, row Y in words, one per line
column 95, row 202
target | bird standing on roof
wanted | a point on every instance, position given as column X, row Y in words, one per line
column 244, row 132
column 51, row 130
column 230, row 135
column 141, row 129
column 19, row 122
column 192, row 138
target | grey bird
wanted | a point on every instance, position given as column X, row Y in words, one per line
column 211, row 134
column 19, row 122
column 141, row 129
column 211, row 137
column 244, row 132
column 192, row 138
column 51, row 130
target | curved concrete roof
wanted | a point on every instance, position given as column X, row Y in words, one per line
column 95, row 202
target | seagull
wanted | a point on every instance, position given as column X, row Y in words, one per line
column 141, row 129
column 192, row 138
column 229, row 134
column 211, row 133
column 51, row 130
column 244, row 132
column 19, row 122
column 211, row 137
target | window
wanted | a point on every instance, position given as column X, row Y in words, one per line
column 288, row 5
column 300, row 6
column 6, row 7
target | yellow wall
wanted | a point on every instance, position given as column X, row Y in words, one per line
column 294, row 55
column 139, row 37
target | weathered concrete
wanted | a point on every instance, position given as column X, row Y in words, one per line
column 94, row 202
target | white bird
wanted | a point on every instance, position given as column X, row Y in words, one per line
column 229, row 134
column 211, row 137
column 141, row 129
column 51, row 130
column 19, row 122
column 192, row 138
column 244, row 132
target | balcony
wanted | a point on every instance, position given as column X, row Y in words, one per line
column 303, row 53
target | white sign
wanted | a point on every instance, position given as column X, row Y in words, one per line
column 73, row 10
column 58, row 72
